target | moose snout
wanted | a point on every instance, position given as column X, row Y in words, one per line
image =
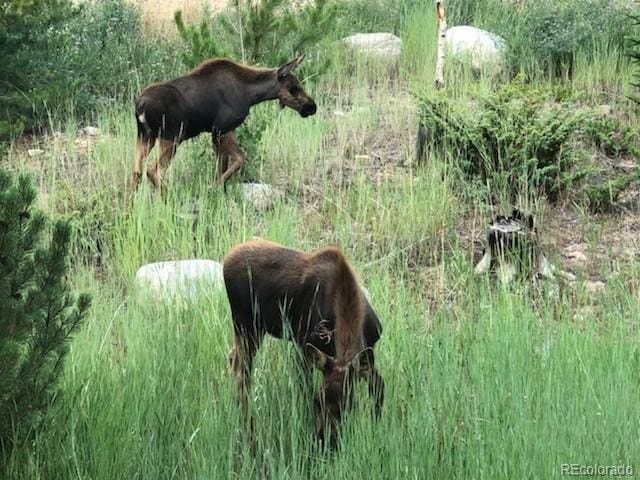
column 308, row 109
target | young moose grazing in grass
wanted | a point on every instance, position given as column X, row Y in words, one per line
column 215, row 97
column 317, row 296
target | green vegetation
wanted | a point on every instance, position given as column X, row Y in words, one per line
column 268, row 32
column 545, row 37
column 522, row 140
column 37, row 312
column 62, row 60
column 634, row 53
column 483, row 381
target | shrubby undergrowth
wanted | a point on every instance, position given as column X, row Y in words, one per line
column 523, row 139
column 38, row 314
column 65, row 59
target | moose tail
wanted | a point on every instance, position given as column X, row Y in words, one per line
column 144, row 129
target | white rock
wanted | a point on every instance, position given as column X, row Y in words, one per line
column 183, row 279
column 594, row 286
column 90, row 131
column 575, row 253
column 375, row 44
column 260, row 195
column 35, row 152
column 481, row 48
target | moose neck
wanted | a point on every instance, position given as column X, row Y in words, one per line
column 263, row 86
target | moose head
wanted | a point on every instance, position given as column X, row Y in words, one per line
column 335, row 397
column 290, row 91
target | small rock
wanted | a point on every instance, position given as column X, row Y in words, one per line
column 182, row 279
column 575, row 253
column 626, row 165
column 584, row 313
column 260, row 195
column 566, row 276
column 481, row 48
column 189, row 211
column 339, row 113
column 90, row 131
column 594, row 286
column 34, row 152
column 385, row 45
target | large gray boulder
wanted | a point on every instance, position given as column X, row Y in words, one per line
column 382, row 45
column 166, row 282
column 483, row 50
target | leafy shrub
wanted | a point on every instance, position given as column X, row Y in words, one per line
column 614, row 141
column 612, row 138
column 505, row 137
column 108, row 58
column 71, row 60
column 25, row 27
column 37, row 313
column 523, row 140
column 266, row 32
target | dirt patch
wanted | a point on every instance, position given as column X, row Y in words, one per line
column 158, row 14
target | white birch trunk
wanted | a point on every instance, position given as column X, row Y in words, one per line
column 442, row 27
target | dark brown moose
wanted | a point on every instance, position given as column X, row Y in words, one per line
column 316, row 297
column 215, row 97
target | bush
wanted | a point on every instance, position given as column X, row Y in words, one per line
column 37, row 313
column 107, row 56
column 71, row 60
column 25, row 27
column 508, row 136
column 522, row 140
column 266, row 32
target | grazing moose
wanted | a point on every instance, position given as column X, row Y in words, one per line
column 317, row 296
column 215, row 97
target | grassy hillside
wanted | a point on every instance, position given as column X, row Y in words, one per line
column 483, row 380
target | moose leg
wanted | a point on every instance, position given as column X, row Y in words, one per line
column 221, row 154
column 228, row 146
column 241, row 362
column 376, row 389
column 167, row 152
column 144, row 145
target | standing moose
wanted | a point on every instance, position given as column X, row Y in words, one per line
column 272, row 288
column 215, row 97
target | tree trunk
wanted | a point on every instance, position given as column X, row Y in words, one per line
column 442, row 27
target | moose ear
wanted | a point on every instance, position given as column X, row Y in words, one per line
column 363, row 362
column 318, row 359
column 287, row 68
